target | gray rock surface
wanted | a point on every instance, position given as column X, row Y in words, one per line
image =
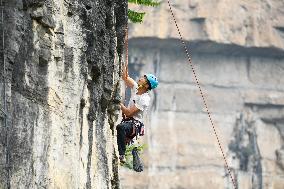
column 237, row 52
column 62, row 82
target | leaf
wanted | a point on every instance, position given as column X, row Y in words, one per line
column 135, row 17
column 145, row 2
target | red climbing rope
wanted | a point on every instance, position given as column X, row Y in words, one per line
column 126, row 46
column 201, row 93
column 125, row 59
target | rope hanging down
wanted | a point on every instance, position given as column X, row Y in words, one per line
column 201, row 93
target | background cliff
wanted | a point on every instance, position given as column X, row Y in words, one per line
column 237, row 50
column 62, row 86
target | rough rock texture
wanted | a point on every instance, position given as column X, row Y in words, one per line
column 62, row 90
column 237, row 51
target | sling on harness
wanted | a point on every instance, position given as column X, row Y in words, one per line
column 137, row 162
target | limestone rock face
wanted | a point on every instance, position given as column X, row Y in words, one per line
column 237, row 50
column 62, row 82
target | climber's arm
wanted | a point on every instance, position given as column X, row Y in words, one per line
column 128, row 80
column 129, row 112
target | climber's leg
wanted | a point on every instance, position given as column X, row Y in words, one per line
column 123, row 130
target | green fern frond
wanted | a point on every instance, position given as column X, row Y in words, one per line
column 135, row 17
column 145, row 2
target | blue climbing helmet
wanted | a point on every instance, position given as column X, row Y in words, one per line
column 152, row 80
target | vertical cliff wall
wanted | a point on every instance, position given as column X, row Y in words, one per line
column 237, row 50
column 62, row 86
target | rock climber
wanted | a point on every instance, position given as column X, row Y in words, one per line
column 132, row 124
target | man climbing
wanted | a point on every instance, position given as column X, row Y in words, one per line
column 131, row 124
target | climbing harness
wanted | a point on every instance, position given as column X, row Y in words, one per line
column 4, row 111
column 138, row 128
column 201, row 93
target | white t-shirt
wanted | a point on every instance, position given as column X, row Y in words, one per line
column 140, row 101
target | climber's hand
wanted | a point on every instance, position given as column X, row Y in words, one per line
column 128, row 80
